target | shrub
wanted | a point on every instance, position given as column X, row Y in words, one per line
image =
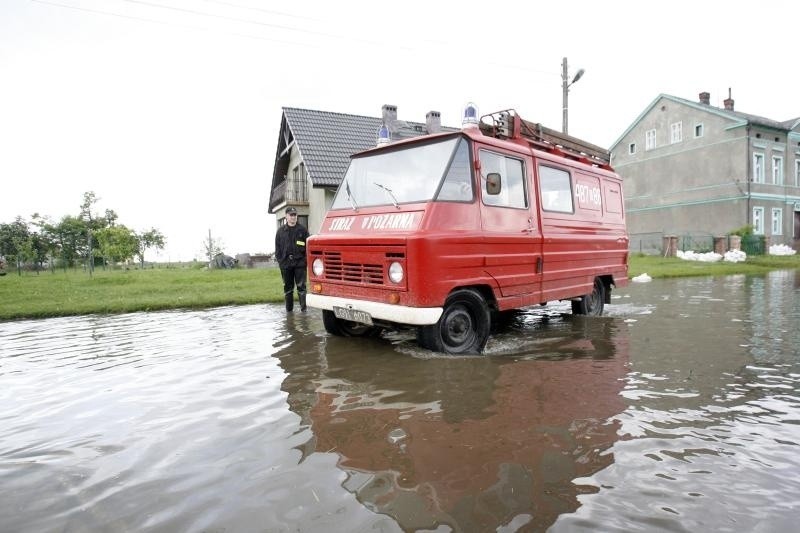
column 744, row 231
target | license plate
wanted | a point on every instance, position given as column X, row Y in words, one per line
column 352, row 315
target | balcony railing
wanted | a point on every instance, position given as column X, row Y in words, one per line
column 290, row 192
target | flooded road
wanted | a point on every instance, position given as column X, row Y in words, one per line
column 678, row 411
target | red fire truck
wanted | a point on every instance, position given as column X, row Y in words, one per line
column 446, row 232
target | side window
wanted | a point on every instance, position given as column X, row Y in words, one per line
column 758, row 220
column 797, row 172
column 758, row 168
column 676, row 132
column 698, row 130
column 556, row 189
column 777, row 170
column 512, row 176
column 777, row 221
column 457, row 185
column 649, row 139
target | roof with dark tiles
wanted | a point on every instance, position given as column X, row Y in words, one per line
column 326, row 140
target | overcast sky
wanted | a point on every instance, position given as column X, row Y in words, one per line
column 169, row 110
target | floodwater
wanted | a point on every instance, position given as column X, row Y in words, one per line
column 678, row 411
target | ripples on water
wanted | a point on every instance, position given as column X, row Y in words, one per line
column 679, row 411
column 710, row 437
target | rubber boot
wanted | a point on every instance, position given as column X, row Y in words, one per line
column 302, row 297
column 289, row 302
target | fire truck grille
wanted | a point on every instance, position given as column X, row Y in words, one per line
column 339, row 270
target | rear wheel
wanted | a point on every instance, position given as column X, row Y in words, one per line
column 346, row 328
column 592, row 303
column 463, row 327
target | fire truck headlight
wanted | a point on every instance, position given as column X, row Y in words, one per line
column 396, row 272
column 318, row 267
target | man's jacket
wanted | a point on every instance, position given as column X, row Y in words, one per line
column 290, row 245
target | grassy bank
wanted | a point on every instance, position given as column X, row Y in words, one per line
column 116, row 291
column 672, row 267
column 119, row 291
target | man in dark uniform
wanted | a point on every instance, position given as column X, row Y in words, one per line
column 290, row 252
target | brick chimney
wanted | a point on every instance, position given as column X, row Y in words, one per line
column 389, row 115
column 728, row 101
column 705, row 98
column 433, row 122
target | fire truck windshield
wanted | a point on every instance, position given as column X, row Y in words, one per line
column 406, row 175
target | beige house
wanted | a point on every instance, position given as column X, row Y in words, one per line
column 314, row 149
column 696, row 171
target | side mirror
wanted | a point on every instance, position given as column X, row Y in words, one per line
column 493, row 183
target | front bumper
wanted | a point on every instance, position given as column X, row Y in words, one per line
column 416, row 316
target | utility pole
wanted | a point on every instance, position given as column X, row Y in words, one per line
column 565, row 85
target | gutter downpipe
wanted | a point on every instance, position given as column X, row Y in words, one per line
column 749, row 175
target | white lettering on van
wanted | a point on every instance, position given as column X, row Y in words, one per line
column 341, row 224
column 393, row 221
column 587, row 195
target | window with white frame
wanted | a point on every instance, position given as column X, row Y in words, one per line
column 676, row 132
column 632, row 148
column 777, row 170
column 797, row 172
column 649, row 139
column 698, row 130
column 777, row 221
column 758, row 168
column 758, row 220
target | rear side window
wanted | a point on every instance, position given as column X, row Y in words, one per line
column 613, row 198
column 556, row 190
column 512, row 176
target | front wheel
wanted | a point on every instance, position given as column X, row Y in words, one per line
column 592, row 303
column 345, row 328
column 463, row 327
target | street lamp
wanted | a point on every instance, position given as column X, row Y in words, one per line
column 565, row 90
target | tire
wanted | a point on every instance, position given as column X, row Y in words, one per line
column 345, row 328
column 591, row 304
column 463, row 327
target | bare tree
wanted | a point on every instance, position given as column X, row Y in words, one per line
column 212, row 246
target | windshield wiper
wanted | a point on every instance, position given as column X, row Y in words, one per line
column 349, row 195
column 391, row 194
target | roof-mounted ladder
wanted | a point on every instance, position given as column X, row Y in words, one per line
column 507, row 124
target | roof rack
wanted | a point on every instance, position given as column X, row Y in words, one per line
column 507, row 124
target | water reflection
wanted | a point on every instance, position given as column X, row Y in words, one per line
column 774, row 311
column 472, row 443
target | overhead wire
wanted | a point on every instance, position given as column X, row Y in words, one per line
column 282, row 27
column 250, row 21
column 261, row 9
column 174, row 24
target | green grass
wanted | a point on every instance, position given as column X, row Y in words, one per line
column 74, row 292
column 672, row 267
column 121, row 291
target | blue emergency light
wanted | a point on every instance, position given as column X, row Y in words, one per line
column 470, row 117
column 383, row 135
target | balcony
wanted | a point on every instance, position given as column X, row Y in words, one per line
column 293, row 192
